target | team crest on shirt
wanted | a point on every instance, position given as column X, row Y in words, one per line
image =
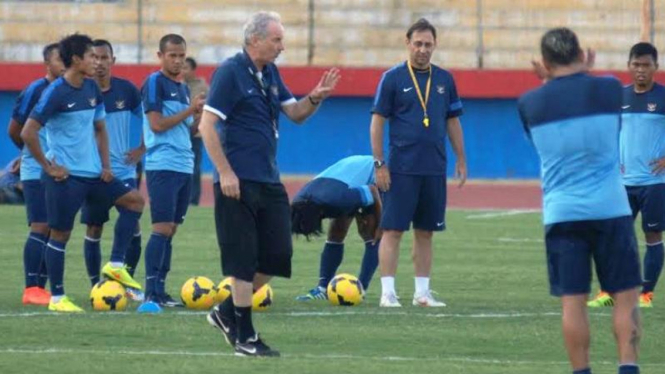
column 120, row 104
column 440, row 89
column 274, row 90
column 651, row 107
column 92, row 101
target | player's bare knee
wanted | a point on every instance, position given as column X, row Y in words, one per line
column 653, row 237
column 163, row 228
column 39, row 228
column 60, row 236
column 94, row 232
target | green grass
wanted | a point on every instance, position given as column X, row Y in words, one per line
column 491, row 272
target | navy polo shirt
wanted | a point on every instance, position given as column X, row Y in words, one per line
column 248, row 104
column 414, row 148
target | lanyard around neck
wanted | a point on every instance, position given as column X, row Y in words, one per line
column 423, row 102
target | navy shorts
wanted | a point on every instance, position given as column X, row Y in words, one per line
column 254, row 233
column 169, row 195
column 650, row 202
column 609, row 243
column 34, row 195
column 333, row 196
column 97, row 213
column 64, row 198
column 420, row 199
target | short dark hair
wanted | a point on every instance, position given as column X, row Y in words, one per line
column 73, row 45
column 421, row 25
column 46, row 52
column 560, row 46
column 643, row 49
column 170, row 38
column 306, row 218
column 103, row 43
column 192, row 62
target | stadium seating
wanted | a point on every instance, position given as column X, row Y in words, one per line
column 346, row 32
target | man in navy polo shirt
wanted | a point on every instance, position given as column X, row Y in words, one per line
column 169, row 164
column 252, row 212
column 77, row 167
column 421, row 102
column 33, row 188
column 573, row 121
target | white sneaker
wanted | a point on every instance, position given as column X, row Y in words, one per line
column 427, row 300
column 389, row 301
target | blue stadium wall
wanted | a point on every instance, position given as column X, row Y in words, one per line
column 495, row 143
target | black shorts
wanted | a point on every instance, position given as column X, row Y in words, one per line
column 254, row 233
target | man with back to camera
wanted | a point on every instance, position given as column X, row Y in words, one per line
column 252, row 212
column 420, row 100
column 573, row 121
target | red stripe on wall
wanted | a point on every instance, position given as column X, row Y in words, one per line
column 359, row 82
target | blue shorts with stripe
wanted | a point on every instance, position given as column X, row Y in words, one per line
column 169, row 195
column 64, row 198
column 34, row 195
column 610, row 244
column 420, row 199
column 650, row 202
column 334, row 197
column 96, row 213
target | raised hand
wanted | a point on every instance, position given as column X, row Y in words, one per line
column 326, row 85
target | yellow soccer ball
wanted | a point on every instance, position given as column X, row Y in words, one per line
column 198, row 293
column 262, row 298
column 345, row 290
column 223, row 290
column 108, row 295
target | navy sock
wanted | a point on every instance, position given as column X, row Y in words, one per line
column 227, row 309
column 653, row 266
column 33, row 253
column 629, row 369
column 165, row 266
column 92, row 253
column 133, row 254
column 43, row 274
column 369, row 264
column 55, row 264
column 154, row 251
column 125, row 227
column 244, row 321
column 331, row 258
column 583, row 371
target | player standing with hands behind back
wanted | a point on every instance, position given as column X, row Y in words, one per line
column 420, row 100
column 169, row 164
column 252, row 211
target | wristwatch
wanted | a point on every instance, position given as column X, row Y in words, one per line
column 379, row 163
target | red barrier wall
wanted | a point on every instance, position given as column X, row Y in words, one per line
column 358, row 82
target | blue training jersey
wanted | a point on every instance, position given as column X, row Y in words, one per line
column 124, row 117
column 414, row 148
column 356, row 171
column 574, row 124
column 26, row 101
column 642, row 135
column 68, row 113
column 172, row 149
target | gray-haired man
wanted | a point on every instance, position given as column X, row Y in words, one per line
column 252, row 212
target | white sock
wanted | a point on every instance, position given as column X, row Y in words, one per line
column 422, row 285
column 387, row 285
column 117, row 265
column 56, row 299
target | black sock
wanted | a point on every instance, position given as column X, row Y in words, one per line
column 244, row 321
column 583, row 371
column 226, row 309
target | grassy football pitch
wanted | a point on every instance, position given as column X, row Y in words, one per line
column 489, row 269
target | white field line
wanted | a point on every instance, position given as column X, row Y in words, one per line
column 504, row 213
column 459, row 359
column 519, row 240
column 309, row 314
